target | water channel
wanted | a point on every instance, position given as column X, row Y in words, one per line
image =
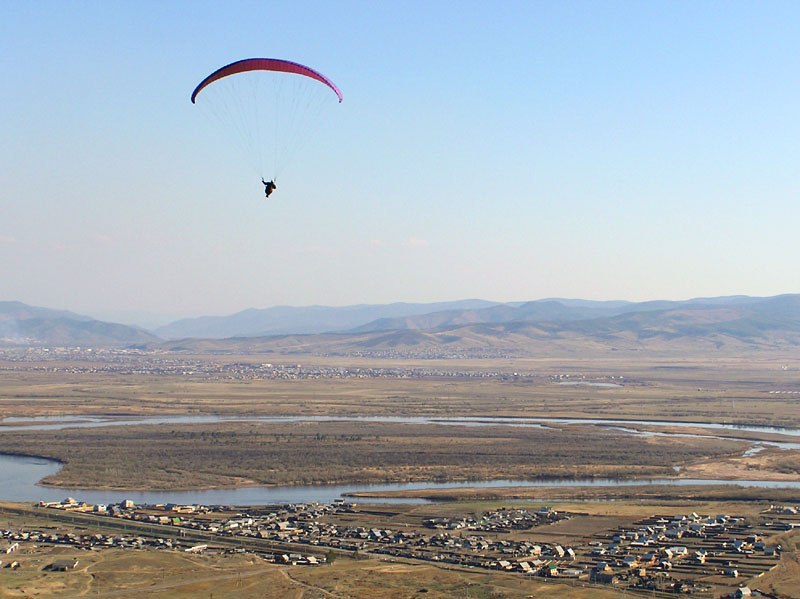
column 19, row 475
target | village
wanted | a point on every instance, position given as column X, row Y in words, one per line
column 708, row 555
column 126, row 361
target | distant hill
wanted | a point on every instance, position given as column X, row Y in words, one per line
column 558, row 310
column 309, row 319
column 531, row 311
column 21, row 324
column 447, row 329
column 18, row 311
column 706, row 324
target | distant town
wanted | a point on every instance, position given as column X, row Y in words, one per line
column 133, row 361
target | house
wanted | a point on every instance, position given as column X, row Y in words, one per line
column 675, row 533
column 630, row 561
column 604, row 577
column 63, row 565
column 679, row 551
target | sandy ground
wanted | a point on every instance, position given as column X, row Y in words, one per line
column 761, row 466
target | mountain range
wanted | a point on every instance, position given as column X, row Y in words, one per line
column 468, row 327
column 283, row 320
column 21, row 324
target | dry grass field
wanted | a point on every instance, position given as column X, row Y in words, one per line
column 383, row 580
column 128, row 574
column 702, row 388
column 756, row 390
column 174, row 575
column 259, row 453
column 642, row 493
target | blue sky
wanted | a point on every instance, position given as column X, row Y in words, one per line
column 603, row 150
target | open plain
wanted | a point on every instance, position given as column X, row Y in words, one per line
column 354, row 420
column 756, row 390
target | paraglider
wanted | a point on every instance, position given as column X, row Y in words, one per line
column 269, row 186
column 269, row 106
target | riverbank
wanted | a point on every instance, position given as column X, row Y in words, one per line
column 703, row 388
column 233, row 454
column 711, row 490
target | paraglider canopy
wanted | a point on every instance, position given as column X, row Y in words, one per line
column 265, row 64
column 269, row 107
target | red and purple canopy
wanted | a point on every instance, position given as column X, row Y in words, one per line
column 265, row 64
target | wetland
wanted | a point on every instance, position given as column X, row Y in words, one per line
column 463, row 423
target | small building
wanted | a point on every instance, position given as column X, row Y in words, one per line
column 572, row 573
column 603, row 567
column 604, row 577
column 63, row 565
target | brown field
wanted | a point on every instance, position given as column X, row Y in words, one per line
column 703, row 389
column 700, row 389
column 117, row 573
column 258, row 453
column 174, row 575
column 383, row 580
column 644, row 493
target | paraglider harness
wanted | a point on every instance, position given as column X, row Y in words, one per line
column 269, row 186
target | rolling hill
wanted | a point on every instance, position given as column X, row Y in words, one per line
column 468, row 328
column 21, row 324
column 281, row 320
column 707, row 325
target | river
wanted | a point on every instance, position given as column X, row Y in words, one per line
column 19, row 475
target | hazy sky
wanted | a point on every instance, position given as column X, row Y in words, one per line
column 506, row 151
